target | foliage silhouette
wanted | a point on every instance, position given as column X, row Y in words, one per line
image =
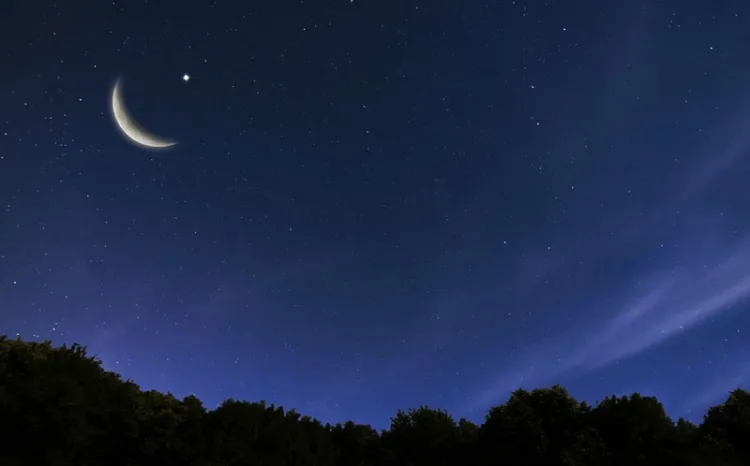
column 59, row 407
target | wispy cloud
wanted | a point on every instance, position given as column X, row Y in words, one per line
column 706, row 277
column 670, row 304
column 718, row 390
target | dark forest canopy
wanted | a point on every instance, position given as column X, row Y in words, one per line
column 58, row 406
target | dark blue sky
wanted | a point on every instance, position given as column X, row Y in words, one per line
column 377, row 205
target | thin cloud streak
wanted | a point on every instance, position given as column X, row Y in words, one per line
column 718, row 390
column 671, row 307
column 673, row 304
column 701, row 283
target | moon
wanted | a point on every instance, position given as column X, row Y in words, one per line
column 129, row 127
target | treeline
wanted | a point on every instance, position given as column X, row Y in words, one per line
column 58, row 407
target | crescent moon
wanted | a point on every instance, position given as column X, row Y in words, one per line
column 130, row 127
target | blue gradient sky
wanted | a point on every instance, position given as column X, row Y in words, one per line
column 379, row 205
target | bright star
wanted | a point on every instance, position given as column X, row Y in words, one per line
column 186, row 77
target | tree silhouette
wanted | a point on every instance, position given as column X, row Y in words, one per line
column 59, row 407
column 725, row 431
column 421, row 437
column 544, row 426
column 635, row 430
column 355, row 444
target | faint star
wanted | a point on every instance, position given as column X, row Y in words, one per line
column 186, row 77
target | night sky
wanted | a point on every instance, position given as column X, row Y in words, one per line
column 377, row 205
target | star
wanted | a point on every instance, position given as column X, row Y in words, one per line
column 186, row 77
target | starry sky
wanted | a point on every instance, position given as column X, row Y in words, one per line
column 377, row 205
